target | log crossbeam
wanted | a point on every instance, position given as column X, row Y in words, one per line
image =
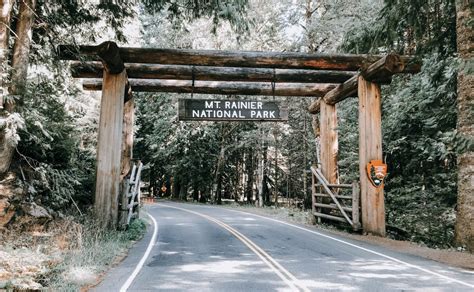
column 381, row 70
column 219, row 87
column 211, row 73
column 282, row 60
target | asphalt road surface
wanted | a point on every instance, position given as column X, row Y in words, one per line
column 204, row 248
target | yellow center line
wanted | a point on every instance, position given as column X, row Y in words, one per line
column 283, row 273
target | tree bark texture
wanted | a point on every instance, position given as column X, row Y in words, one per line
column 221, row 87
column 210, row 73
column 370, row 148
column 282, row 60
column 5, row 18
column 21, row 49
column 465, row 125
column 20, row 63
column 108, row 156
column 250, row 170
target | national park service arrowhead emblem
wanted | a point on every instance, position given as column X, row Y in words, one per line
column 376, row 171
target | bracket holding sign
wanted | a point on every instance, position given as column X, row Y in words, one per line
column 231, row 110
column 376, row 171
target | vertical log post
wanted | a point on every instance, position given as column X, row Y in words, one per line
column 127, row 134
column 329, row 142
column 126, row 157
column 370, row 148
column 109, row 146
column 109, row 149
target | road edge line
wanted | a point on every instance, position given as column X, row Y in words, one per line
column 140, row 264
column 360, row 247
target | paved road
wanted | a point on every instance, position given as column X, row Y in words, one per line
column 202, row 248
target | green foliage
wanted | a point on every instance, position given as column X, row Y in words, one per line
column 136, row 230
column 419, row 118
column 419, row 132
column 233, row 11
column 57, row 169
column 409, row 27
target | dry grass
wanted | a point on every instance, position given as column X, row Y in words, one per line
column 61, row 255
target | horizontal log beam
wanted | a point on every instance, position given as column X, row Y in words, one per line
column 209, row 73
column 378, row 71
column 283, row 60
column 217, row 87
column 384, row 68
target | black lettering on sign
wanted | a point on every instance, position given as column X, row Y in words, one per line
column 231, row 110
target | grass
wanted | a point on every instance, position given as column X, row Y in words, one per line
column 97, row 251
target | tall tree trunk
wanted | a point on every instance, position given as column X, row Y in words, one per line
column 309, row 23
column 249, row 170
column 261, row 172
column 21, row 49
column 306, row 197
column 5, row 17
column 237, row 181
column 218, row 175
column 195, row 192
column 20, row 63
column 219, row 192
column 183, row 191
column 465, row 125
column 275, row 135
column 265, row 191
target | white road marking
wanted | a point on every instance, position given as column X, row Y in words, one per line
column 140, row 264
column 361, row 248
column 283, row 273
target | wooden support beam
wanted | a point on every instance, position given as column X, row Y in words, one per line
column 108, row 154
column 314, row 107
column 384, row 68
column 219, row 87
column 109, row 54
column 284, row 60
column 209, row 73
column 329, row 142
column 127, row 136
column 370, row 148
column 378, row 72
column 342, row 91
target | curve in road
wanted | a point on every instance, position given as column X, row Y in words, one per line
column 194, row 252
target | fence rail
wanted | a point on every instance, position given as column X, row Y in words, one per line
column 130, row 196
column 337, row 209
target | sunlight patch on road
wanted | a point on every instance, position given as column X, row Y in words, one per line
column 222, row 267
column 169, row 252
column 293, row 283
column 185, row 224
column 432, row 274
column 323, row 285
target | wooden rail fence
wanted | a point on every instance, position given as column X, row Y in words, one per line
column 338, row 209
column 130, row 201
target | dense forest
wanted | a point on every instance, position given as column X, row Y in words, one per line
column 49, row 125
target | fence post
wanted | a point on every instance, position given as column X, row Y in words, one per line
column 355, row 205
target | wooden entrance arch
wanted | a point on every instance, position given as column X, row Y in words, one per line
column 330, row 78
